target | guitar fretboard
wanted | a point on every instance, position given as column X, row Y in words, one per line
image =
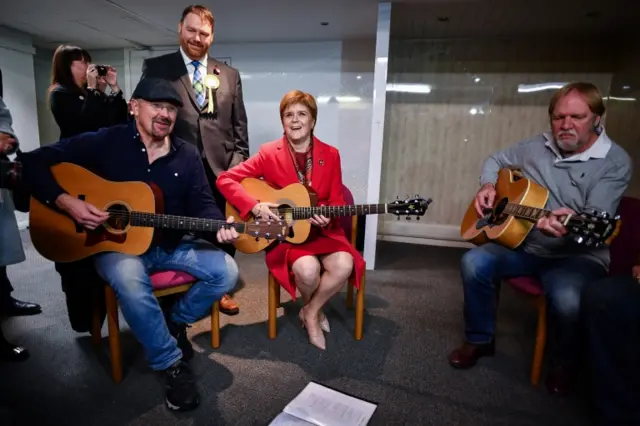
column 525, row 212
column 333, row 211
column 177, row 222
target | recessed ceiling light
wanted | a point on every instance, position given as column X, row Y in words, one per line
column 324, row 24
column 443, row 19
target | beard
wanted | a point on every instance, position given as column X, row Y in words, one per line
column 162, row 132
column 194, row 49
column 570, row 144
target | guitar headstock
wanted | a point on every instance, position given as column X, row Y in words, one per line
column 409, row 207
column 269, row 229
column 593, row 228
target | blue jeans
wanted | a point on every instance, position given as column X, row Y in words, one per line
column 128, row 275
column 561, row 278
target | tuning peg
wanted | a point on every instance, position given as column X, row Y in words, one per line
column 408, row 217
column 417, row 217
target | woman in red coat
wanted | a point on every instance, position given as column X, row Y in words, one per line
column 319, row 267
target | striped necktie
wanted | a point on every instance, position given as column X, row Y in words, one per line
column 198, row 84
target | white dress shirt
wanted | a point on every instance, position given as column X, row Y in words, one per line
column 190, row 68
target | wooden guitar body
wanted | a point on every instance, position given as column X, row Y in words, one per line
column 57, row 237
column 294, row 195
column 506, row 230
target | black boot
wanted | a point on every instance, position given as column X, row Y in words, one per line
column 181, row 391
column 179, row 331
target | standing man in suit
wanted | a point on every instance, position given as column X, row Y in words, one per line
column 221, row 138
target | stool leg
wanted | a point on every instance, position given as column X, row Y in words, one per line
column 96, row 328
column 273, row 306
column 114, row 334
column 350, row 294
column 541, row 340
column 357, row 333
column 215, row 325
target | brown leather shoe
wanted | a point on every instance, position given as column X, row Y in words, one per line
column 228, row 306
column 559, row 381
column 466, row 355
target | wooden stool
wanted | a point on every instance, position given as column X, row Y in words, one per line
column 164, row 284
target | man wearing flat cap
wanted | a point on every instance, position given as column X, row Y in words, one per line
column 146, row 150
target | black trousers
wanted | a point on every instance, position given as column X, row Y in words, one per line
column 611, row 317
column 5, row 285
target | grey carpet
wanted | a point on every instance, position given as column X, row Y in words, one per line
column 413, row 319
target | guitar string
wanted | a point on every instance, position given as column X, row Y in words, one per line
column 159, row 218
column 512, row 209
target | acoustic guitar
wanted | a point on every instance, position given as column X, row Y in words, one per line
column 518, row 205
column 297, row 202
column 135, row 212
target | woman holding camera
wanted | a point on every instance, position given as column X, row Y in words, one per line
column 79, row 104
column 77, row 93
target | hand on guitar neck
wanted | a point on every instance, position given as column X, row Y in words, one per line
column 551, row 225
column 265, row 210
column 90, row 217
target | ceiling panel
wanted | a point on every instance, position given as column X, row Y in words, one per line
column 155, row 22
column 473, row 18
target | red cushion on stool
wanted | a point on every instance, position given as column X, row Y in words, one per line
column 166, row 279
column 526, row 285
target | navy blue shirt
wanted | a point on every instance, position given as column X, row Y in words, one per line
column 117, row 154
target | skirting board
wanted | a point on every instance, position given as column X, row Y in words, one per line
column 415, row 233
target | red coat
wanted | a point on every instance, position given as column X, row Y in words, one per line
column 274, row 163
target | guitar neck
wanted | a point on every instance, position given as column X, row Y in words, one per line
column 163, row 221
column 524, row 212
column 335, row 211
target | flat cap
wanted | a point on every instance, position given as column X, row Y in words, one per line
column 157, row 90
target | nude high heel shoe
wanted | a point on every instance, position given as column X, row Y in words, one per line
column 324, row 323
column 316, row 338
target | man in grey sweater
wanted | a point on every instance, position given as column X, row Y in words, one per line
column 582, row 169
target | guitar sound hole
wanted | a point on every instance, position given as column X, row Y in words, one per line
column 119, row 217
column 284, row 213
column 494, row 217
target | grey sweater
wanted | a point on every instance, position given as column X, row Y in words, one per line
column 595, row 179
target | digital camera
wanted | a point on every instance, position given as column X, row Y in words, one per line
column 102, row 70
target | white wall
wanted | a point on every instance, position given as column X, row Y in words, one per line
column 49, row 131
column 338, row 74
column 16, row 61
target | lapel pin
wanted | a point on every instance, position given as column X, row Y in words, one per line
column 212, row 83
column 321, row 162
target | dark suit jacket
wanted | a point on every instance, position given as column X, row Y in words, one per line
column 223, row 140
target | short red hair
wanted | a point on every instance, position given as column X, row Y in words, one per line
column 299, row 97
column 203, row 12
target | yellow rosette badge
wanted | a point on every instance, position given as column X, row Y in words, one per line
column 212, row 82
